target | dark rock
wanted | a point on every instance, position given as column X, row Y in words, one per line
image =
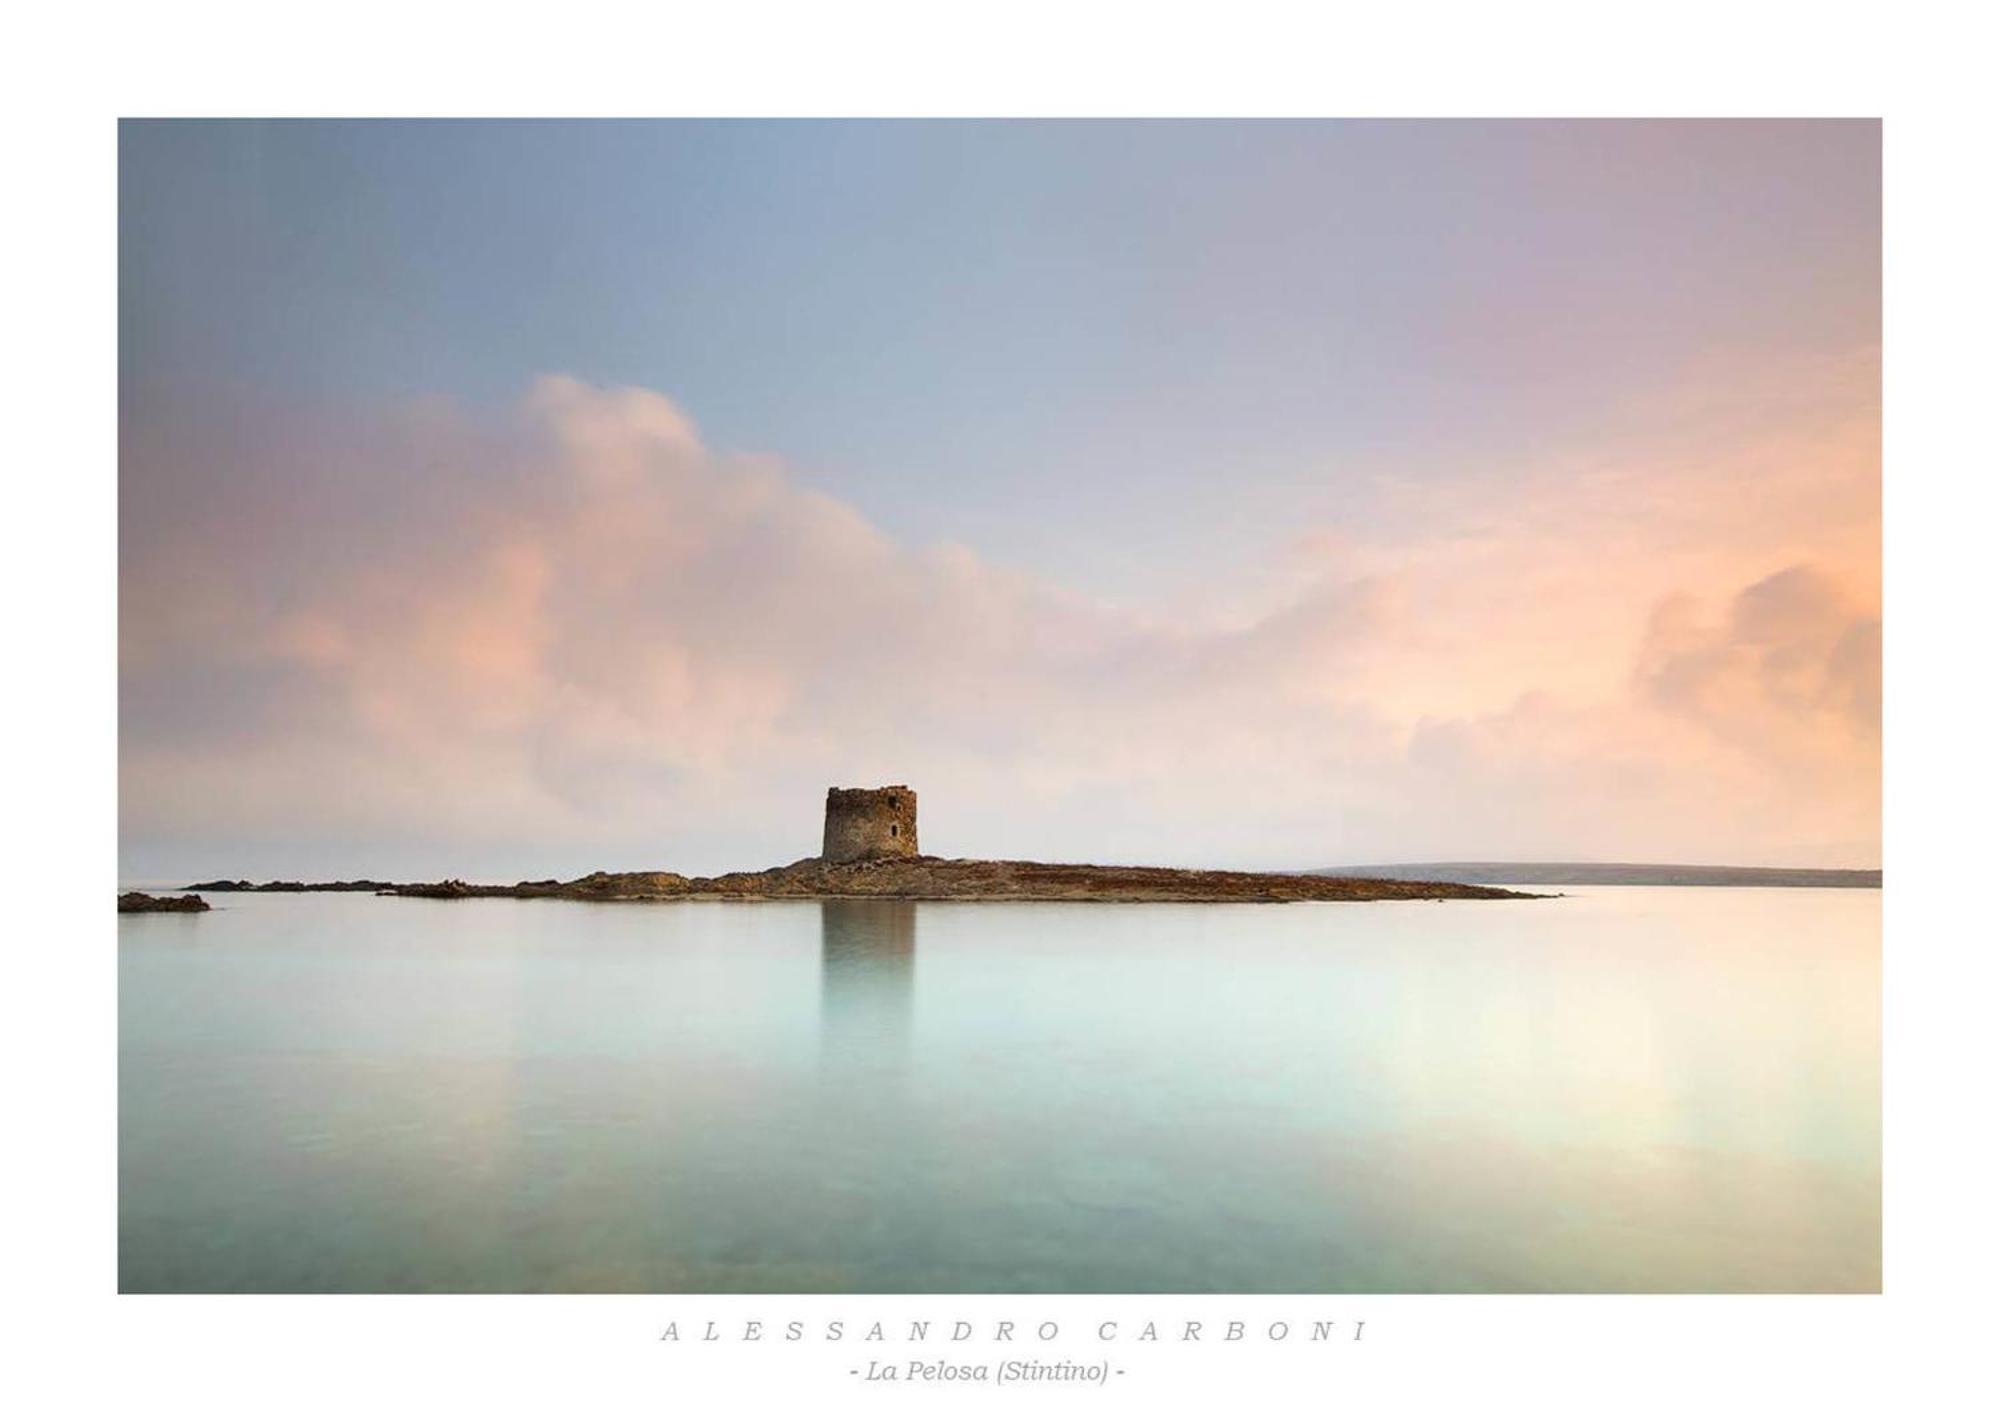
column 146, row 902
column 241, row 885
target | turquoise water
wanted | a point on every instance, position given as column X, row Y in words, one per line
column 1657, row 1089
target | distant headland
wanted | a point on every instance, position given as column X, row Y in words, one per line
column 868, row 848
column 1617, row 874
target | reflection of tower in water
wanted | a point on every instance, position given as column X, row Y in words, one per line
column 867, row 978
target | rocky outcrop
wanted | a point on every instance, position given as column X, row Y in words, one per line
column 947, row 879
column 594, row 887
column 244, row 885
column 146, row 902
column 870, row 850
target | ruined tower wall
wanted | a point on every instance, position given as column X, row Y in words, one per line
column 870, row 823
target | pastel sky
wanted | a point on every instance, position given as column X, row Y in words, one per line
column 513, row 499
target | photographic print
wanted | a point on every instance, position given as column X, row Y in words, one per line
column 999, row 707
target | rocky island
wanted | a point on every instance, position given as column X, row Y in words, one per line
column 146, row 902
column 869, row 849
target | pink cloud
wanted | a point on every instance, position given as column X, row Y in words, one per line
column 578, row 633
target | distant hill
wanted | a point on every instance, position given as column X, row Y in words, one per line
column 1613, row 874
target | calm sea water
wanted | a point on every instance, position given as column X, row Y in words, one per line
column 1661, row 1089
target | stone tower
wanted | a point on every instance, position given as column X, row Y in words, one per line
column 870, row 823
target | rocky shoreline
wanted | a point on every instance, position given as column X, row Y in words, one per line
column 244, row 885
column 146, row 902
column 925, row 879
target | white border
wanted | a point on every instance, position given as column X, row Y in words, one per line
column 74, row 70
